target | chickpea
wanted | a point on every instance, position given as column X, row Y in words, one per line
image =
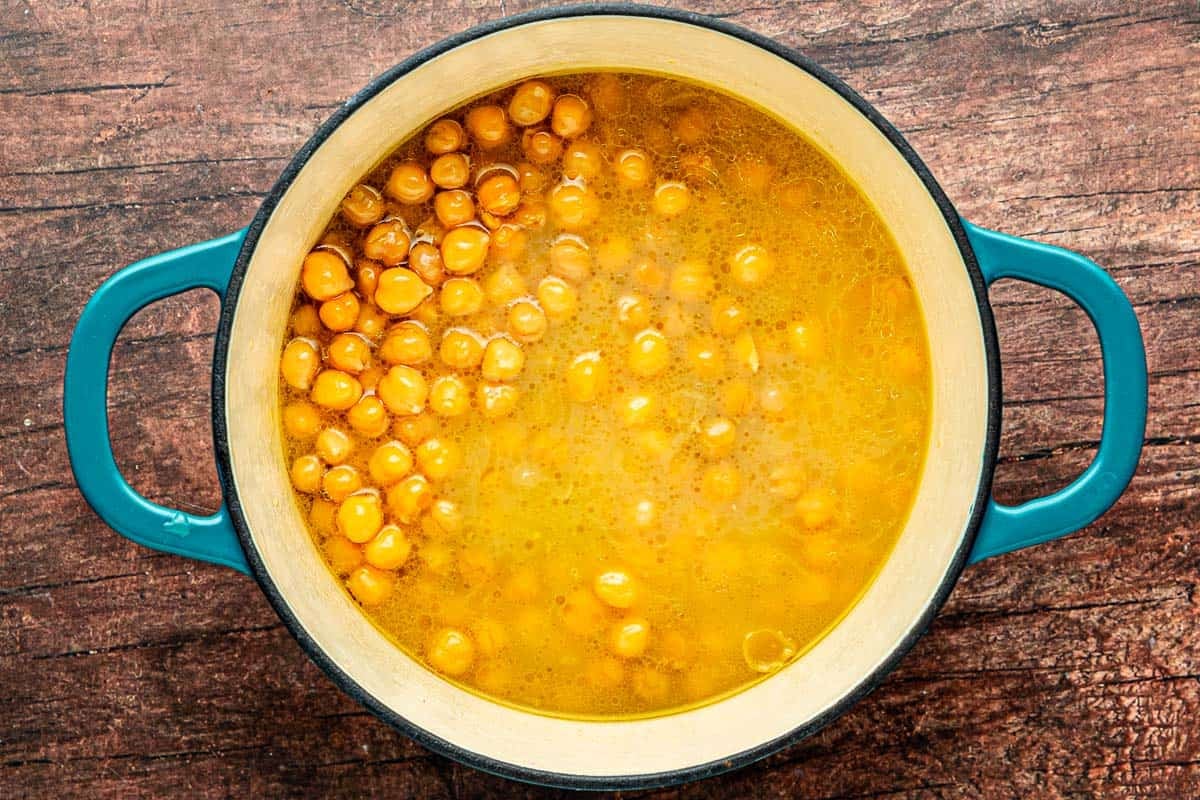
column 340, row 313
column 340, row 482
column 633, row 312
column 425, row 259
column 446, row 515
column 706, row 358
column 630, row 637
column 450, row 652
column 587, row 377
column 333, row 446
column 531, row 179
column 503, row 360
column 366, row 277
column 321, row 515
column 360, row 516
column 401, row 290
column 499, row 193
column 614, row 253
column 774, row 399
column 449, row 396
column 531, row 103
column 573, row 207
column 324, row 275
column 604, row 674
column 674, row 322
column 558, row 298
column 409, row 183
column 633, row 168
column 645, row 515
column 526, row 321
column 368, row 417
column 301, row 419
column 336, row 390
column 407, row 343
column 650, row 685
column 691, row 281
column 389, row 462
column 639, row 409
column 692, row 125
column 728, row 318
column 737, row 398
column 454, row 207
column 428, row 313
column 806, row 340
column 363, row 206
column 438, row 459
column 488, row 126
column 541, row 147
column 461, row 349
column 786, row 481
column 369, row 377
column 751, row 265
column 305, row 321
column 387, row 242
column 509, row 242
column 369, row 585
column 444, row 136
column 582, row 613
column 450, row 171
column 462, row 297
column 721, row 482
column 371, row 321
column 388, row 549
column 439, row 559
column 649, row 353
column 717, row 436
column 343, row 555
column 299, row 364
column 307, row 472
column 410, row 497
column 403, row 390
column 496, row 399
column 464, row 250
column 671, row 198
column 491, row 637
column 571, row 116
column 815, row 508
column 745, row 351
column 583, row 160
column 415, row 428
column 648, row 274
column 570, row 259
column 615, row 588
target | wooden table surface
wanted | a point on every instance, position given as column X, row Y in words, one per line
column 1068, row 670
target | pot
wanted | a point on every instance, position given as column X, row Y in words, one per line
column 954, row 521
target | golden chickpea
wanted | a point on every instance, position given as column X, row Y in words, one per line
column 401, row 290
column 745, row 351
column 645, row 514
column 633, row 312
column 691, row 281
column 366, row 277
column 307, row 472
column 614, row 253
column 604, row 674
column 462, row 297
column 630, row 637
column 498, row 193
column 388, row 549
column 363, row 206
column 454, row 207
column 737, row 398
column 582, row 613
column 360, row 516
column 706, row 357
column 751, row 265
column 428, row 313
column 488, row 126
column 389, row 462
column 425, row 259
column 615, row 588
column 406, row 343
column 671, row 198
column 438, row 459
column 403, row 390
column 675, row 323
column 648, row 274
column 409, row 183
column 721, row 482
column 509, row 242
column 299, row 364
column 774, row 399
column 633, row 168
column 335, row 390
column 570, row 258
column 806, row 340
column 324, row 275
column 369, row 377
column 387, row 242
column 333, row 446
column 531, row 179
column 340, row 482
column 461, row 349
column 587, row 377
column 439, row 559
column 301, row 419
column 321, row 515
column 369, row 585
column 573, row 207
column 343, row 554
column 450, row 171
column 450, row 652
column 491, row 637
column 815, row 508
column 340, row 313
column 444, row 136
column 558, row 298
column 503, row 360
column 449, row 396
column 368, row 417
column 465, row 249
column 650, row 685
column 415, row 428
column 649, row 353
column 531, row 103
column 305, row 321
column 496, row 399
column 639, row 409
column 692, row 125
column 717, row 436
column 446, row 515
column 728, row 318
column 541, row 147
column 582, row 160
column 526, row 321
column 371, row 321
column 571, row 116
column 409, row 498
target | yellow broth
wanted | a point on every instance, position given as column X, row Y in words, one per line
column 620, row 410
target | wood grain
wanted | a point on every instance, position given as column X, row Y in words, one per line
column 1068, row 670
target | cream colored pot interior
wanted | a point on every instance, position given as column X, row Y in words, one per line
column 835, row 666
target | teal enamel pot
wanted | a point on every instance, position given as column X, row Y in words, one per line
column 954, row 520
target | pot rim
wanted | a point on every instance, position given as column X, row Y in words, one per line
column 515, row 771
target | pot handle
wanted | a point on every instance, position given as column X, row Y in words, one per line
column 1007, row 528
column 85, row 403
